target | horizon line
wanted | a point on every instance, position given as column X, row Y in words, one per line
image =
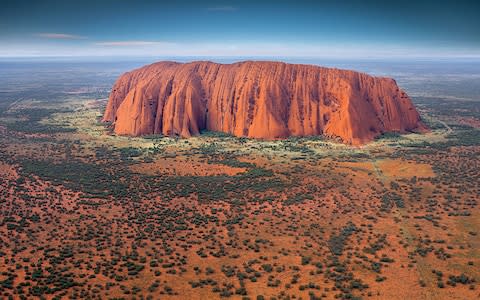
column 382, row 57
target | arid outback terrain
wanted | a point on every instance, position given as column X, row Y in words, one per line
column 87, row 214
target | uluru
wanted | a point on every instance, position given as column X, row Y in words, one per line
column 258, row 99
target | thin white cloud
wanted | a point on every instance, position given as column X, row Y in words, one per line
column 139, row 48
column 60, row 36
column 129, row 43
column 225, row 8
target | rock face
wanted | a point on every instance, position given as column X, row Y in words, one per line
column 267, row 100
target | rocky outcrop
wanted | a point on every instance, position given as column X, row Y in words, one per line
column 267, row 100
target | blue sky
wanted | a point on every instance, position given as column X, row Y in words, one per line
column 340, row 29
